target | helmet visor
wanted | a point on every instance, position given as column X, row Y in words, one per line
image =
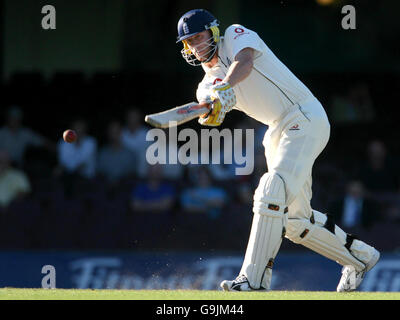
column 200, row 53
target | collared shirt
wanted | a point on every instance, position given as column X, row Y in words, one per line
column 137, row 143
column 79, row 157
column 270, row 89
column 16, row 142
column 12, row 183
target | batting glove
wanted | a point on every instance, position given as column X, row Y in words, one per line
column 223, row 100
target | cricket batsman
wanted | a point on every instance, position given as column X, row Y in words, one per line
column 242, row 73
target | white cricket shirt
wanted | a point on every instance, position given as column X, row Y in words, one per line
column 269, row 91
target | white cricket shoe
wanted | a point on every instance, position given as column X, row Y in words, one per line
column 239, row 284
column 351, row 279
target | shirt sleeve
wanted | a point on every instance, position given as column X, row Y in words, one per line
column 237, row 38
column 203, row 89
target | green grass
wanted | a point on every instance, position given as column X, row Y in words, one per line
column 88, row 294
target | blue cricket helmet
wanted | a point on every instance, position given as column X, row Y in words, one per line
column 195, row 21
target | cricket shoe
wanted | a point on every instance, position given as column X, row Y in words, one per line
column 351, row 279
column 239, row 284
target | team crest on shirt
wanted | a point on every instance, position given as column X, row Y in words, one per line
column 295, row 127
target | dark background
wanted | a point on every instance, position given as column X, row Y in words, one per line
column 109, row 55
column 106, row 55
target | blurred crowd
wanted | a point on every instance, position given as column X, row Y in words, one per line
column 94, row 193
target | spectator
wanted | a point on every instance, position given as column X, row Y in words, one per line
column 153, row 195
column 260, row 164
column 134, row 139
column 381, row 179
column 354, row 107
column 171, row 168
column 171, row 171
column 222, row 164
column 360, row 97
column 245, row 185
column 354, row 209
column 222, row 171
column 15, row 138
column 240, row 153
column 379, row 174
column 259, row 131
column 244, row 188
column 78, row 158
column 260, row 168
column 14, row 184
column 245, row 193
column 204, row 198
column 115, row 161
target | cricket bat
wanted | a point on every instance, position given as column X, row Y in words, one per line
column 177, row 115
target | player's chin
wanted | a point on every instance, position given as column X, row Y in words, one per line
column 202, row 58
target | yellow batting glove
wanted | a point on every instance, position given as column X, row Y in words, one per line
column 224, row 93
column 214, row 117
column 223, row 100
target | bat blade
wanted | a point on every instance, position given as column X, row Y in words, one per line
column 177, row 115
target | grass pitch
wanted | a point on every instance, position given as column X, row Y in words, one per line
column 88, row 294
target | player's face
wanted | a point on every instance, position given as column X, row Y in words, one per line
column 199, row 44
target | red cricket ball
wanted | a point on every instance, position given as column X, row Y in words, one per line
column 70, row 136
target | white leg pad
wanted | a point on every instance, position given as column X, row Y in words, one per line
column 328, row 241
column 362, row 251
column 267, row 230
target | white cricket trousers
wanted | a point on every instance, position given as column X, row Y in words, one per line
column 292, row 144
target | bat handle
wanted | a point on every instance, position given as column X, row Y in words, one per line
column 208, row 105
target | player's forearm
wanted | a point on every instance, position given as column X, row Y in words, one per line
column 238, row 72
column 241, row 68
